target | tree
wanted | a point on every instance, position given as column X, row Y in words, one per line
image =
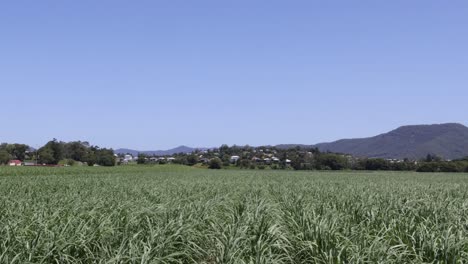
column 402, row 166
column 4, row 157
column 105, row 157
column 46, row 156
column 297, row 162
column 377, row 164
column 180, row 160
column 215, row 163
column 90, row 156
column 141, row 158
column 52, row 152
column 76, row 150
column 17, row 151
column 57, row 148
column 427, row 167
column 244, row 163
column 224, row 149
column 332, row 161
column 446, row 166
column 192, row 160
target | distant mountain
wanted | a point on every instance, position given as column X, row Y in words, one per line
column 180, row 149
column 449, row 141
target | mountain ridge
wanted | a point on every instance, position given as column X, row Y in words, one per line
column 448, row 140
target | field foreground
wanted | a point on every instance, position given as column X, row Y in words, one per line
column 172, row 214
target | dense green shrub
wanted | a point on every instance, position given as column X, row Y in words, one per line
column 215, row 163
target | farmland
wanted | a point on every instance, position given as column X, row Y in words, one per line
column 179, row 214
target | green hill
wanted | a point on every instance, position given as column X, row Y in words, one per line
column 449, row 141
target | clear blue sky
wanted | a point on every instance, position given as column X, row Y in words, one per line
column 158, row 74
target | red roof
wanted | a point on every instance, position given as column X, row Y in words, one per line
column 14, row 161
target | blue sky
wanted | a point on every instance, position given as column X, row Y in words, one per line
column 158, row 74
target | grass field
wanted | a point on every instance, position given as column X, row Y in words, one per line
column 172, row 214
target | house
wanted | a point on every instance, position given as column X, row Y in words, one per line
column 288, row 161
column 14, row 162
column 257, row 159
column 234, row 159
column 128, row 158
column 204, row 160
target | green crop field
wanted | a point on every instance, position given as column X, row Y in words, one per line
column 176, row 214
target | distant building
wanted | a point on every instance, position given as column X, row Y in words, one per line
column 257, row 159
column 234, row 159
column 14, row 163
column 204, row 160
column 128, row 158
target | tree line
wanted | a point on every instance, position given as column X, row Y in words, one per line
column 57, row 152
column 13, row 151
column 299, row 158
